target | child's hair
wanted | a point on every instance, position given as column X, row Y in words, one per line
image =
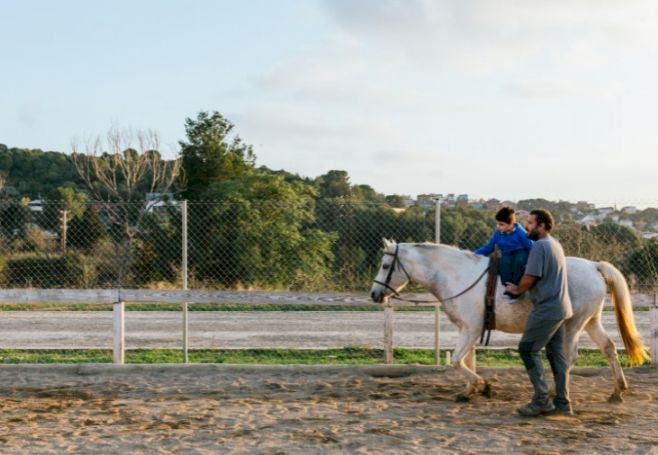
column 506, row 215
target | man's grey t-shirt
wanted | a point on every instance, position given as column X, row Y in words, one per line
column 550, row 294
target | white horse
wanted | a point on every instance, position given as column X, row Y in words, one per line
column 455, row 277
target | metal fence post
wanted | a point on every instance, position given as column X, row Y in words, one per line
column 653, row 327
column 437, row 221
column 437, row 307
column 118, row 332
column 388, row 333
column 184, row 276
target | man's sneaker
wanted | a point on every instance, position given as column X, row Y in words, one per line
column 533, row 408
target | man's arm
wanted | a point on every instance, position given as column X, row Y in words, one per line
column 527, row 281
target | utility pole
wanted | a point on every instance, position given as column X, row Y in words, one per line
column 63, row 219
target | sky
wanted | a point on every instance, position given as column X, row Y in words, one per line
column 502, row 99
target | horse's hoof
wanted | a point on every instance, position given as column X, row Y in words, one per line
column 614, row 398
column 462, row 398
column 488, row 390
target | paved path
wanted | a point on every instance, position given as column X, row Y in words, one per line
column 61, row 330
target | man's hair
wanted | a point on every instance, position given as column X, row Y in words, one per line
column 544, row 216
column 506, row 215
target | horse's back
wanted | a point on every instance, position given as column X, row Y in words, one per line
column 587, row 290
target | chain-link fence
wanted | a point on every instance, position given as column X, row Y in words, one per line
column 324, row 245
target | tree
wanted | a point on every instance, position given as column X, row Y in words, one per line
column 37, row 174
column 86, row 230
column 14, row 218
column 71, row 206
column 211, row 154
column 465, row 227
column 120, row 174
column 261, row 234
column 642, row 266
column 75, row 202
column 334, row 184
column 396, row 200
column 119, row 171
column 366, row 194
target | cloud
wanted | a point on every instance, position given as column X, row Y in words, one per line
column 412, row 96
column 483, row 36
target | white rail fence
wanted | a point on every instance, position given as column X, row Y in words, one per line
column 119, row 297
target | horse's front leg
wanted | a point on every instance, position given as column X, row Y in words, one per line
column 464, row 361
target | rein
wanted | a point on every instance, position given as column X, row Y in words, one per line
column 397, row 296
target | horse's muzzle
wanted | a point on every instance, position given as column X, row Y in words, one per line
column 377, row 296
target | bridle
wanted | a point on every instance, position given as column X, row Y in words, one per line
column 387, row 282
column 396, row 259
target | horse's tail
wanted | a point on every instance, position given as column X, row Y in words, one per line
column 621, row 300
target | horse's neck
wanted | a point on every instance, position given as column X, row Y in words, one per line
column 439, row 267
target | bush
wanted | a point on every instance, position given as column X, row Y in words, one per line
column 44, row 271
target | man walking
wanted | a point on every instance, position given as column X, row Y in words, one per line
column 546, row 277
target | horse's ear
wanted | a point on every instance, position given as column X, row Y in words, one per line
column 388, row 244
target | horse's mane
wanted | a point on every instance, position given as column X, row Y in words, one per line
column 433, row 246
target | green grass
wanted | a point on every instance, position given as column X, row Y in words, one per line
column 342, row 356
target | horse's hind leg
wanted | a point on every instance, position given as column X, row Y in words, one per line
column 607, row 346
column 464, row 360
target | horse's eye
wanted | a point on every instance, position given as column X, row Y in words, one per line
column 386, row 266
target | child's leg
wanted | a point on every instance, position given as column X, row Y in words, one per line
column 506, row 268
column 519, row 260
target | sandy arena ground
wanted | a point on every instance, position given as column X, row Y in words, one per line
column 310, row 409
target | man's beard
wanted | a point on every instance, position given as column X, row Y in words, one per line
column 533, row 235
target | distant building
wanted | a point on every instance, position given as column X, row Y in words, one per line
column 479, row 204
column 462, row 199
column 629, row 209
column 427, row 200
column 584, row 206
column 35, row 205
column 156, row 202
column 626, row 223
column 492, row 204
column 589, row 219
column 408, row 202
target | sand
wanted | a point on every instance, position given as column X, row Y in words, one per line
column 310, row 409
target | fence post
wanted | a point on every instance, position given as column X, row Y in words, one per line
column 184, row 277
column 118, row 330
column 64, row 228
column 437, row 330
column 388, row 333
column 653, row 318
column 437, row 307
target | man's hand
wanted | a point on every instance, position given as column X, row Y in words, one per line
column 511, row 288
column 527, row 281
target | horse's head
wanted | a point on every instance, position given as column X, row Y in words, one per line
column 392, row 276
